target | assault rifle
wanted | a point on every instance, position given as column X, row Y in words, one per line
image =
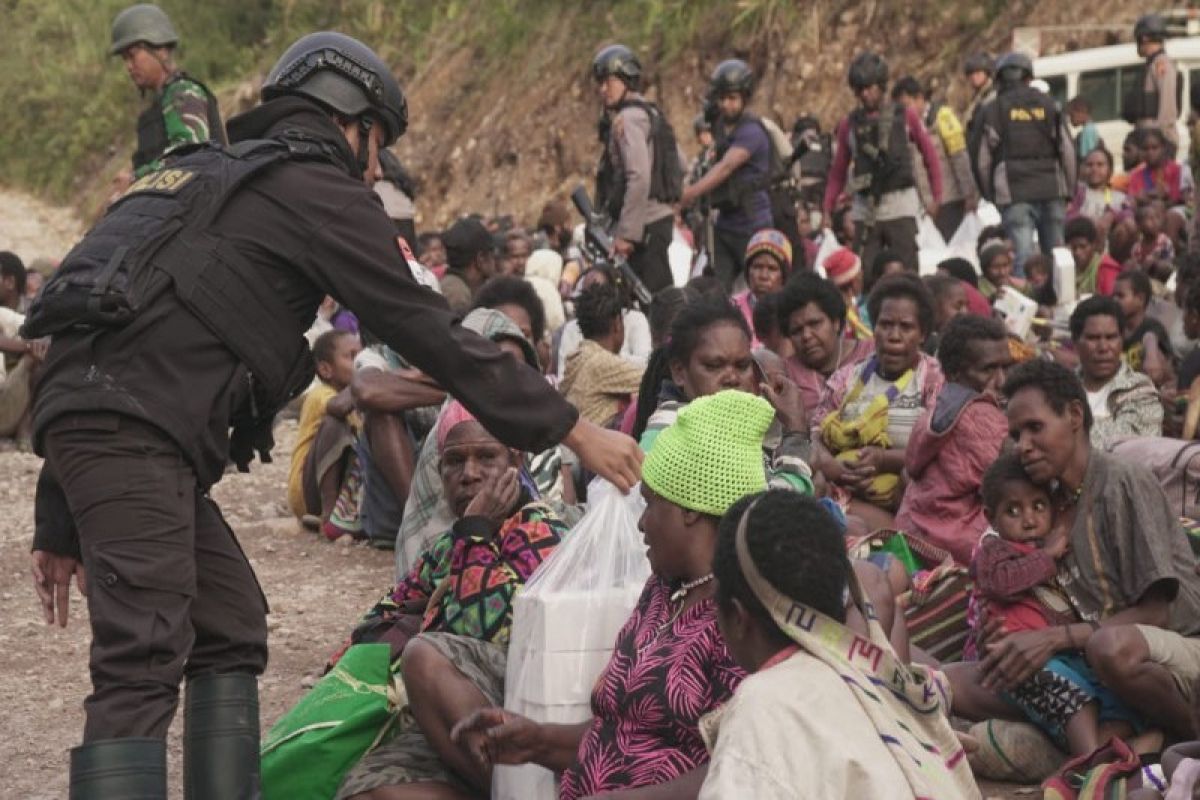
column 600, row 241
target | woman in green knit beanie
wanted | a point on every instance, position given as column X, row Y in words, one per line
column 670, row 666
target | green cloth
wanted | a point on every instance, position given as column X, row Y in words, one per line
column 184, row 105
column 711, row 457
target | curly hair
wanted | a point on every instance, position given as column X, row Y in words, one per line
column 597, row 308
column 1058, row 385
column 903, row 286
column 808, row 287
column 506, row 290
column 956, row 350
column 797, row 547
column 1095, row 306
column 1005, row 469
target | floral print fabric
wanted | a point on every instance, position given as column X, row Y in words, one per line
column 665, row 673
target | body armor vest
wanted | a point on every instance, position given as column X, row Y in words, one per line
column 159, row 237
column 1029, row 139
column 882, row 161
column 152, row 128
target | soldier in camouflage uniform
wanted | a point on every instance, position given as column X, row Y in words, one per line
column 183, row 110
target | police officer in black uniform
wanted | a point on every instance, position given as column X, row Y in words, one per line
column 1024, row 159
column 640, row 174
column 179, row 317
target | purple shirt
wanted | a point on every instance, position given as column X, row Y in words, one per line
column 756, row 211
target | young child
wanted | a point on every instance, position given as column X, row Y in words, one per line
column 1095, row 272
column 1152, row 244
column 1015, row 570
column 1147, row 343
column 1079, row 111
column 1039, row 283
column 324, row 480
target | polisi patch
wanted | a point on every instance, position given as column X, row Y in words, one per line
column 1027, row 114
column 167, row 181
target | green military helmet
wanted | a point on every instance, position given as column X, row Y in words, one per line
column 144, row 22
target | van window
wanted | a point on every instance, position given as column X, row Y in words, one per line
column 1105, row 89
column 1058, row 88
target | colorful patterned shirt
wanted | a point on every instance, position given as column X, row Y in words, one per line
column 482, row 567
column 667, row 671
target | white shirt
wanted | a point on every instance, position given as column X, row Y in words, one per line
column 10, row 325
column 1098, row 401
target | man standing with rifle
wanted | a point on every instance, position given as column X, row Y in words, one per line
column 640, row 172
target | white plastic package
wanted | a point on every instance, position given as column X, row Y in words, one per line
column 565, row 623
column 963, row 243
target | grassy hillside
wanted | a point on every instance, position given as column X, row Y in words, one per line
column 503, row 113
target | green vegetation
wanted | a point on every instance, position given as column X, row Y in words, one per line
column 66, row 106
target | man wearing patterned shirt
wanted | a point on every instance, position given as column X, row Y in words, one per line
column 183, row 110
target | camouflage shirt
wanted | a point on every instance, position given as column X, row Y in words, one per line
column 184, row 106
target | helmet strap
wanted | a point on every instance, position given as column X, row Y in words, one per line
column 365, row 123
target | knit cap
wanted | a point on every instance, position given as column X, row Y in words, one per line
column 842, row 266
column 769, row 240
column 711, row 457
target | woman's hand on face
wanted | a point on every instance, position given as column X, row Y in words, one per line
column 495, row 736
column 496, row 499
column 1016, row 657
column 784, row 395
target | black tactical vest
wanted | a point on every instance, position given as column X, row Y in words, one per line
column 666, row 171
column 152, row 128
column 882, row 161
column 1029, row 128
column 159, row 237
column 1141, row 103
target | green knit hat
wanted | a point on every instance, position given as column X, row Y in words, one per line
column 712, row 456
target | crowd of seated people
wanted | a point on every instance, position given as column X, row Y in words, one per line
column 785, row 423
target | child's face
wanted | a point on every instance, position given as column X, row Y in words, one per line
column 1131, row 304
column 1082, row 250
column 1149, row 223
column 1078, row 116
column 999, row 269
column 1024, row 513
column 1037, row 275
column 340, row 370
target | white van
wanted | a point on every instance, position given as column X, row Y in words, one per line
column 1103, row 75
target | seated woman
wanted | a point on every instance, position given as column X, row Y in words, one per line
column 955, row 441
column 597, row 381
column 768, row 263
column 1122, row 402
column 1161, row 176
column 1094, row 197
column 637, row 344
column 463, row 587
column 812, row 312
column 811, row 720
column 1133, row 581
column 708, row 351
column 669, row 666
column 426, row 512
column 862, row 424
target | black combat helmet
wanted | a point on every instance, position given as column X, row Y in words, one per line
column 1014, row 67
column 343, row 74
column 1150, row 26
column 733, row 75
column 618, row 60
column 144, row 22
column 868, row 69
column 978, row 62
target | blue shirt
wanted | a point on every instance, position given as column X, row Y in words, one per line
column 756, row 211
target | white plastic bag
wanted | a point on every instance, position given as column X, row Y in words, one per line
column 565, row 623
column 928, row 237
column 962, row 243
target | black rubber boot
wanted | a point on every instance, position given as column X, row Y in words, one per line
column 133, row 768
column 220, row 738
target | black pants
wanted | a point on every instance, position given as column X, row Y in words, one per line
column 169, row 591
column 897, row 235
column 729, row 260
column 949, row 217
column 650, row 260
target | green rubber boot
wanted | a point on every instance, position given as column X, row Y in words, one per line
column 220, row 738
column 133, row 768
